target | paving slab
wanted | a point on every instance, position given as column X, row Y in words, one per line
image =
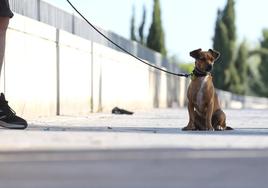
column 158, row 128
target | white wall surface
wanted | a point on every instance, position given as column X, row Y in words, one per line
column 49, row 71
column 52, row 72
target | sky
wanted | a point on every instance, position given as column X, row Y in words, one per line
column 188, row 24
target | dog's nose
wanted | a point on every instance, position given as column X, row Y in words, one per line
column 209, row 67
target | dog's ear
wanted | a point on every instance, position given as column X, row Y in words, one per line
column 196, row 53
column 215, row 54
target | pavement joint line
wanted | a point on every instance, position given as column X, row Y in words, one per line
column 135, row 155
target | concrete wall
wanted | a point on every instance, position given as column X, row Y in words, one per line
column 46, row 13
column 230, row 100
column 29, row 74
column 48, row 71
column 74, row 69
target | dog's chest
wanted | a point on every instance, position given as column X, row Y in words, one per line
column 201, row 91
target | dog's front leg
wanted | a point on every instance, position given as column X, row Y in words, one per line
column 190, row 125
column 209, row 117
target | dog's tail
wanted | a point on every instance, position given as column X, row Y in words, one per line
column 228, row 128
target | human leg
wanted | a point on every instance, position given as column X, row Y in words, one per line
column 8, row 117
column 3, row 28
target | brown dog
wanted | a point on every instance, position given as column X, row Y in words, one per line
column 203, row 104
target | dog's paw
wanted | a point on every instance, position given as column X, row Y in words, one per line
column 188, row 128
column 219, row 128
column 210, row 129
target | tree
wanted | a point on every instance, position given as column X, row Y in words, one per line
column 141, row 28
column 241, row 65
column 228, row 18
column 263, row 67
column 221, row 44
column 239, row 71
column 132, row 26
column 155, row 39
column 224, row 41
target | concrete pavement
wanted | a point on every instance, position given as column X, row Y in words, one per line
column 146, row 150
column 160, row 128
column 153, row 168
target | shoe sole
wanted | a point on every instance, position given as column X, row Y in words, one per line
column 12, row 126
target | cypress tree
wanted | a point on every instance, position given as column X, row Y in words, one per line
column 132, row 26
column 239, row 70
column 141, row 28
column 221, row 43
column 224, row 42
column 263, row 67
column 241, row 62
column 155, row 39
column 228, row 18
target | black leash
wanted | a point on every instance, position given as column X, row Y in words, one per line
column 121, row 48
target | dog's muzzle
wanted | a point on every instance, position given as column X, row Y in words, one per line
column 209, row 68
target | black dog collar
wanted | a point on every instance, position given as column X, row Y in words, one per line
column 199, row 73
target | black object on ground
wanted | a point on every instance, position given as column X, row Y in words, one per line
column 120, row 111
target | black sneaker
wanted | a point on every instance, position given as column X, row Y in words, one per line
column 8, row 118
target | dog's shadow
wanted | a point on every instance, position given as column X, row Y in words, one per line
column 149, row 130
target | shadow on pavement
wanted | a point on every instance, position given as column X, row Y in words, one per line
column 150, row 130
